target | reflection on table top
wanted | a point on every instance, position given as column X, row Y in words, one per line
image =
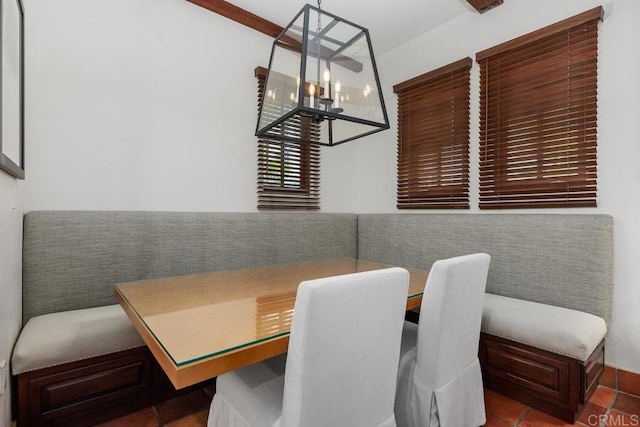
column 198, row 317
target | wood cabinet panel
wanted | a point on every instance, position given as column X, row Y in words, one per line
column 529, row 370
column 91, row 391
column 71, row 389
column 552, row 383
column 591, row 373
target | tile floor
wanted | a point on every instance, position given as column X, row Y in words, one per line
column 188, row 410
column 607, row 407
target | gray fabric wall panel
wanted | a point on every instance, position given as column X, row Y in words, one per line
column 563, row 260
column 72, row 259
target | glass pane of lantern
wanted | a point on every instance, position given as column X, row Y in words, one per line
column 282, row 85
column 359, row 94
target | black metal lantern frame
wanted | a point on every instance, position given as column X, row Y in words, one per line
column 322, row 86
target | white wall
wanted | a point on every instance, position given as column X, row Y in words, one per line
column 618, row 132
column 11, row 210
column 144, row 105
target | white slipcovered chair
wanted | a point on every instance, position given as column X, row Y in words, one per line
column 439, row 378
column 342, row 362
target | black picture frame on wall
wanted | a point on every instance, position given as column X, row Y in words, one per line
column 12, row 88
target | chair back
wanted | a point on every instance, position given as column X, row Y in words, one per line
column 450, row 316
column 344, row 349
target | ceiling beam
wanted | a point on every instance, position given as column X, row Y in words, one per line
column 258, row 23
column 242, row 16
column 484, row 5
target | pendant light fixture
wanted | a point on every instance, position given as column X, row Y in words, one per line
column 322, row 86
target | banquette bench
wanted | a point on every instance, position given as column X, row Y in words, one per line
column 548, row 300
column 78, row 360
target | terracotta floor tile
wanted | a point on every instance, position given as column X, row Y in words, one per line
column 182, row 406
column 493, row 421
column 143, row 418
column 536, row 418
column 627, row 404
column 617, row 419
column 502, row 406
column 629, row 382
column 603, row 396
column 608, row 378
column 194, row 420
column 591, row 413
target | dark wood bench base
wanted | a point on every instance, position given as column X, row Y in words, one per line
column 557, row 385
column 92, row 391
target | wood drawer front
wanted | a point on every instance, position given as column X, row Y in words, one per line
column 542, row 375
column 84, row 387
column 68, row 392
column 592, row 371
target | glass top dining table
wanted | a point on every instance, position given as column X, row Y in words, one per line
column 200, row 326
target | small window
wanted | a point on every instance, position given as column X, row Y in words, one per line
column 538, row 117
column 288, row 173
column 433, row 139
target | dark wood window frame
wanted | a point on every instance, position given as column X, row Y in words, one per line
column 288, row 172
column 433, row 139
column 538, row 117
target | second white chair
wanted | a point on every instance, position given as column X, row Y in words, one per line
column 342, row 362
column 439, row 378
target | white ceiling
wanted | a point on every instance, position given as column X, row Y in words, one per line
column 390, row 23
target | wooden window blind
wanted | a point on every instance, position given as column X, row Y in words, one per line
column 288, row 173
column 538, row 108
column 433, row 139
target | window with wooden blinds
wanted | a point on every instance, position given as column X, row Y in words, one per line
column 538, row 117
column 288, row 173
column 433, row 139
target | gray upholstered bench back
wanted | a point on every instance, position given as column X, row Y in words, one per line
column 72, row 259
column 563, row 260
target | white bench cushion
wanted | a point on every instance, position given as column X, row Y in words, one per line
column 68, row 336
column 559, row 330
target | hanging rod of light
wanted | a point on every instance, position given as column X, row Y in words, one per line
column 322, row 86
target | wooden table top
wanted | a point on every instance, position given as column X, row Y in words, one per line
column 200, row 326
